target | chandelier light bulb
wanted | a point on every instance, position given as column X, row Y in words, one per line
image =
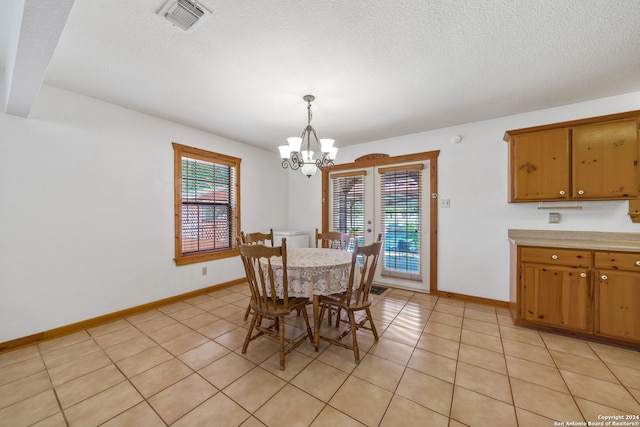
column 294, row 143
column 326, row 145
column 309, row 169
column 285, row 151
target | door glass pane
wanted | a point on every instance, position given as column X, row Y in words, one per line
column 347, row 206
column 401, row 217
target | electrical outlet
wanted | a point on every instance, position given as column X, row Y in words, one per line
column 445, row 203
column 554, row 217
column 204, row 271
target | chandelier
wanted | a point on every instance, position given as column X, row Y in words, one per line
column 295, row 159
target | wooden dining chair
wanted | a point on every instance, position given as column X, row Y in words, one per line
column 357, row 298
column 336, row 312
column 333, row 240
column 257, row 237
column 265, row 303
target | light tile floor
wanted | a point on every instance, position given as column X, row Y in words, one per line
column 438, row 362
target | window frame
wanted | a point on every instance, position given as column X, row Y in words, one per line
column 181, row 151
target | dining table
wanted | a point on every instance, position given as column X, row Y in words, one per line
column 312, row 272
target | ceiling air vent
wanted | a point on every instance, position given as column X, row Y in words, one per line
column 185, row 14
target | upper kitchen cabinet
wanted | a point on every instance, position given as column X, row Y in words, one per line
column 589, row 159
column 605, row 160
column 540, row 165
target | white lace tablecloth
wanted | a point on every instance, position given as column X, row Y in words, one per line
column 314, row 271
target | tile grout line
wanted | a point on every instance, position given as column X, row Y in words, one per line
column 53, row 389
column 393, row 393
column 349, row 374
column 506, row 365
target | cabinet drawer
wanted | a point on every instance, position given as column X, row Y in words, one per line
column 618, row 261
column 553, row 256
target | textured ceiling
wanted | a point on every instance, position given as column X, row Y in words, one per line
column 378, row 69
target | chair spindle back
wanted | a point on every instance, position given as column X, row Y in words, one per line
column 333, row 240
column 257, row 237
column 261, row 275
column 364, row 273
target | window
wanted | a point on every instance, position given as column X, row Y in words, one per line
column 207, row 208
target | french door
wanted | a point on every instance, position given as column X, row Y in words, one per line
column 391, row 200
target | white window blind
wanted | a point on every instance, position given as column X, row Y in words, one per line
column 348, row 197
column 401, row 216
column 207, row 205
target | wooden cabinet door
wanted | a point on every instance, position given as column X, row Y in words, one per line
column 618, row 304
column 605, row 160
column 556, row 296
column 540, row 165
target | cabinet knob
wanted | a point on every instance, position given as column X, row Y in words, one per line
column 583, row 274
column 562, row 192
column 554, row 256
column 580, row 191
column 638, row 263
column 604, row 277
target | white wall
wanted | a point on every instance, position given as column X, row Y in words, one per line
column 86, row 206
column 473, row 251
column 86, row 211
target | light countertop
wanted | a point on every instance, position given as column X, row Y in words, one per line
column 596, row 240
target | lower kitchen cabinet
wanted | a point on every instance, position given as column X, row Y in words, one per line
column 556, row 296
column 579, row 290
column 618, row 295
column 556, row 290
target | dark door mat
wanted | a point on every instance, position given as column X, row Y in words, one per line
column 377, row 290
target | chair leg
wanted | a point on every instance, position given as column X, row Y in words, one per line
column 282, row 341
column 321, row 315
column 248, row 337
column 305, row 315
column 246, row 313
column 354, row 328
column 330, row 311
column 373, row 326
